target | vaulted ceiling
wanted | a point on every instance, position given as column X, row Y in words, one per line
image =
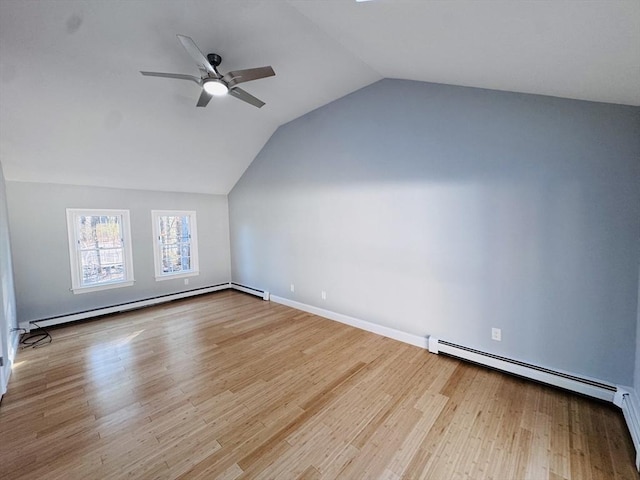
column 75, row 109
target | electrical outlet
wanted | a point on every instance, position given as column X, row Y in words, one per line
column 293, row 287
column 324, row 295
column 496, row 334
column 186, row 281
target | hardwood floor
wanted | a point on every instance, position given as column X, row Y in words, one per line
column 228, row 386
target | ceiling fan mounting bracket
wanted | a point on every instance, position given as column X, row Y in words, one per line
column 214, row 59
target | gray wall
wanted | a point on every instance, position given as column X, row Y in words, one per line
column 8, row 318
column 636, row 376
column 447, row 210
column 37, row 217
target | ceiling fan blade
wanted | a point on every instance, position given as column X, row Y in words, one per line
column 204, row 99
column 179, row 76
column 193, row 50
column 240, row 76
column 246, row 97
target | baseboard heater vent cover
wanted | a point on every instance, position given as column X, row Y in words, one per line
column 253, row 291
column 123, row 307
column 574, row 383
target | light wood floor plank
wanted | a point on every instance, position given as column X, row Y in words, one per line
column 229, row 386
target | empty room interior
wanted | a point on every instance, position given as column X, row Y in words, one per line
column 320, row 239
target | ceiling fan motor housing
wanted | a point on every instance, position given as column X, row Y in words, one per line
column 214, row 59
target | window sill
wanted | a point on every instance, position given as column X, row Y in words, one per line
column 97, row 288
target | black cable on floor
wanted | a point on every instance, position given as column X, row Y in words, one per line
column 36, row 338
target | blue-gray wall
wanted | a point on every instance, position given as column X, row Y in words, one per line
column 447, row 210
column 38, row 223
column 8, row 319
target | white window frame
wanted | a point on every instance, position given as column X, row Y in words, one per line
column 157, row 243
column 74, row 249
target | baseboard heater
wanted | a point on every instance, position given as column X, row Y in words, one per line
column 253, row 291
column 627, row 400
column 585, row 386
column 123, row 307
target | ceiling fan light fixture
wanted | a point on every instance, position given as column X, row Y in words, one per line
column 215, row 87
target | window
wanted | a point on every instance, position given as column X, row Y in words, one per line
column 175, row 244
column 99, row 249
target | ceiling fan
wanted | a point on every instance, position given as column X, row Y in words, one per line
column 213, row 83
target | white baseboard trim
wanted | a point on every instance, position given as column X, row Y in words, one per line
column 48, row 322
column 399, row 335
column 627, row 399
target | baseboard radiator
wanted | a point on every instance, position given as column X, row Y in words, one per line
column 585, row 386
column 250, row 290
column 627, row 399
column 123, row 307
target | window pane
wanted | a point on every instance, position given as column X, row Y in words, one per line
column 99, row 231
column 100, row 266
column 90, row 267
column 185, row 252
column 170, row 259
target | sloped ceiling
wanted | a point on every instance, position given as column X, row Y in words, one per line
column 75, row 109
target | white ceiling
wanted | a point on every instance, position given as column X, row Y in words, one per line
column 75, row 109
